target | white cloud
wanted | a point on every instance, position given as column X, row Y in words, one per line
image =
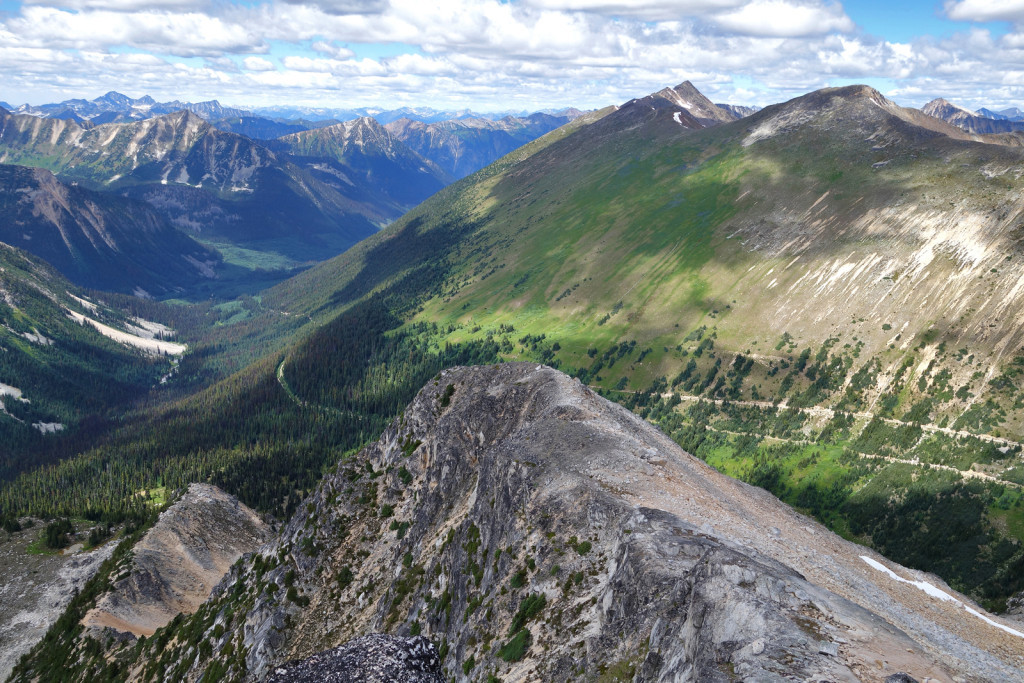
column 184, row 34
column 651, row 10
column 346, row 6
column 986, row 10
column 123, row 5
column 785, row 19
column 487, row 54
column 340, row 67
column 258, row 64
column 330, row 49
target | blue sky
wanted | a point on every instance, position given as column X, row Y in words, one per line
column 497, row 55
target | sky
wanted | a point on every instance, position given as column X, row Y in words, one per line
column 508, row 55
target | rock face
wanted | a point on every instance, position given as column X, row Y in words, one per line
column 538, row 532
column 376, row 658
column 179, row 561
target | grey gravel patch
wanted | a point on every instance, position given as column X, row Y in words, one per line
column 35, row 589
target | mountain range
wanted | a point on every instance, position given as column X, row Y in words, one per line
column 114, row 107
column 818, row 299
column 99, row 239
column 982, row 121
column 464, row 146
column 225, row 188
column 264, row 204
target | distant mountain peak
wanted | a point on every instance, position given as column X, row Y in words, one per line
column 115, row 98
column 684, row 105
column 968, row 120
column 687, row 96
column 940, row 105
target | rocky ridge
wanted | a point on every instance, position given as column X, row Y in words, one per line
column 179, row 561
column 536, row 531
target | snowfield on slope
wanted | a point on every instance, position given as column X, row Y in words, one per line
column 153, row 346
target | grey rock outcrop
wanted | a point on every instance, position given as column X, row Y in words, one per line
column 376, row 658
column 536, row 531
column 179, row 561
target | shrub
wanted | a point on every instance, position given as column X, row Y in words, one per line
column 530, row 607
column 515, row 649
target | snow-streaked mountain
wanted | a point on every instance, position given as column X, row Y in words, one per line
column 363, row 152
column 969, row 120
column 114, row 107
column 209, row 182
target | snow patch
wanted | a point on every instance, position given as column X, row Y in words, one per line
column 37, row 337
column 8, row 390
column 152, row 346
column 147, row 329
column 48, row 427
column 85, row 303
column 936, row 593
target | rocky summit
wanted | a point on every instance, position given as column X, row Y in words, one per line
column 178, row 562
column 535, row 531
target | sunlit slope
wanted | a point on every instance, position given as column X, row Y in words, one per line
column 837, row 213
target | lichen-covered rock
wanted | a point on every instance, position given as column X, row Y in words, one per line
column 536, row 531
column 376, row 658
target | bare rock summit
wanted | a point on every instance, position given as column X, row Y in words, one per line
column 179, row 561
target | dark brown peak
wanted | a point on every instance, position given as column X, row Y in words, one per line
column 182, row 117
column 857, row 92
column 688, row 88
column 692, row 101
column 830, row 97
column 940, row 106
column 864, row 104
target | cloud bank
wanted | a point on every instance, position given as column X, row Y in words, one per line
column 492, row 55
